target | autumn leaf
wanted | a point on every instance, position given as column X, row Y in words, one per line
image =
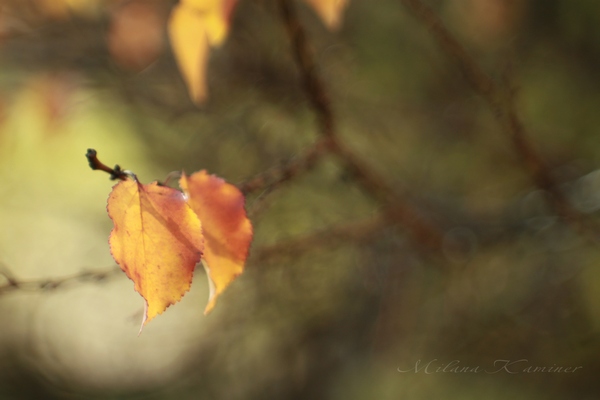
column 156, row 240
column 135, row 35
column 194, row 26
column 190, row 47
column 330, row 11
column 227, row 229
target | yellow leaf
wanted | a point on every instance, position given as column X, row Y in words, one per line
column 215, row 17
column 193, row 26
column 135, row 35
column 190, row 47
column 330, row 11
column 157, row 240
column 216, row 28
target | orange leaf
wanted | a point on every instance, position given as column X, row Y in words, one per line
column 135, row 35
column 157, row 240
column 330, row 11
column 227, row 229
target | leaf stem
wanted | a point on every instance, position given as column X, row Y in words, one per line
column 115, row 173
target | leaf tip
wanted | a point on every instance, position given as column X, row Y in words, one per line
column 144, row 318
column 212, row 290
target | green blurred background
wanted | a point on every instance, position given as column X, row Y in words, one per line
column 335, row 319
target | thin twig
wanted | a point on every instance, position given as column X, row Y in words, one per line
column 275, row 176
column 14, row 284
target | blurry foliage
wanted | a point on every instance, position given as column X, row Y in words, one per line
column 334, row 321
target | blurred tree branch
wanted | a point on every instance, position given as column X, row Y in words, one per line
column 501, row 101
column 351, row 232
column 424, row 233
column 14, row 284
column 275, row 176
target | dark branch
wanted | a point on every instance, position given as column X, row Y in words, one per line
column 303, row 54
